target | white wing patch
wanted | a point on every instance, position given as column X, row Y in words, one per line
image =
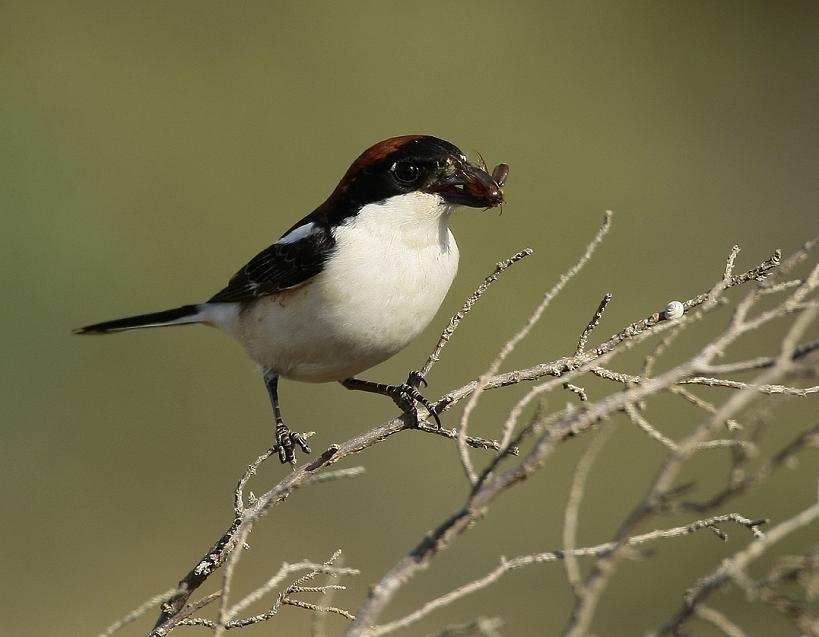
column 297, row 234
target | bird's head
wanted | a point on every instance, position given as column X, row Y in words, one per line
column 414, row 164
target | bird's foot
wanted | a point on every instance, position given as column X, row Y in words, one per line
column 407, row 395
column 416, row 379
column 286, row 443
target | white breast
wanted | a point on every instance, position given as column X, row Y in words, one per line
column 392, row 267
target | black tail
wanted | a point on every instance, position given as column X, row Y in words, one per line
column 176, row 316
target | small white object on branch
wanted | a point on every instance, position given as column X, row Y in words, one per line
column 674, row 310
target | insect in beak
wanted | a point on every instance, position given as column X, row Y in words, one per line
column 500, row 173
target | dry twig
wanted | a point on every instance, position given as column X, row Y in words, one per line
column 543, row 433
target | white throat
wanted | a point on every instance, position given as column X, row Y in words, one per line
column 416, row 220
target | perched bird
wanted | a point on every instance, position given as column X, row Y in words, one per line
column 354, row 281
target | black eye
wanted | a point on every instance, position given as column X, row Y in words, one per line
column 406, row 172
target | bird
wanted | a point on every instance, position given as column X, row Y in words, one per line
column 354, row 281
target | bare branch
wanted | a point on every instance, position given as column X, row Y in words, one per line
column 572, row 513
column 653, row 433
column 507, row 565
column 597, row 581
column 594, row 322
column 144, row 608
column 543, row 433
column 456, row 319
column 512, row 343
column 733, row 567
column 764, row 389
column 720, row 621
column 284, row 572
column 483, row 626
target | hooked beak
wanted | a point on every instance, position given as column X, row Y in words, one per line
column 468, row 185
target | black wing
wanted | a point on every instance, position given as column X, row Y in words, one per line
column 285, row 264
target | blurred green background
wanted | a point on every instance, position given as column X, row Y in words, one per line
column 149, row 149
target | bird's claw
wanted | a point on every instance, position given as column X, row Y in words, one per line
column 286, row 442
column 407, row 395
column 416, row 379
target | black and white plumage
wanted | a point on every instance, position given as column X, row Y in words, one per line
column 353, row 282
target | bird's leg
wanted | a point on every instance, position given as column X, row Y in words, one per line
column 286, row 440
column 405, row 395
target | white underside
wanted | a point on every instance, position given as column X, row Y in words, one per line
column 392, row 267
